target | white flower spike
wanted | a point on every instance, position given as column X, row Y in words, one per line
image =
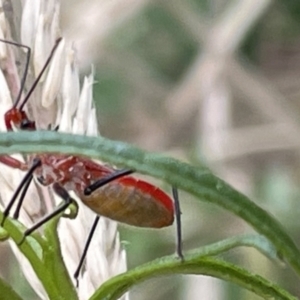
column 56, row 101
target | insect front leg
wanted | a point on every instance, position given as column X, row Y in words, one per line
column 13, row 162
column 23, row 186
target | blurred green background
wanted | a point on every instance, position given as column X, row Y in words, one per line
column 214, row 81
column 205, row 80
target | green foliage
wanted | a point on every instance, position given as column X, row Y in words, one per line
column 159, row 40
column 199, row 181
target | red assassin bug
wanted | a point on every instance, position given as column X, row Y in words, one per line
column 108, row 192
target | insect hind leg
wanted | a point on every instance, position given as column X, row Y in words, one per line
column 103, row 181
column 86, row 247
column 178, row 223
column 62, row 193
column 118, row 174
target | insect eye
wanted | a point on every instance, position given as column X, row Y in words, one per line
column 27, row 125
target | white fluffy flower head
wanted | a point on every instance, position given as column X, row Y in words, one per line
column 57, row 100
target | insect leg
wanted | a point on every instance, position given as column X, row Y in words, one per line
column 23, row 185
column 101, row 182
column 21, row 199
column 41, row 73
column 178, row 223
column 28, row 55
column 86, row 247
column 125, row 172
column 13, row 162
column 61, row 192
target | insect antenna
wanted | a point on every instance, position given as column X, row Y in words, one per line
column 24, row 184
column 35, row 83
column 23, row 80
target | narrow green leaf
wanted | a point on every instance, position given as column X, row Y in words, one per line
column 248, row 240
column 120, row 284
column 198, row 181
column 193, row 264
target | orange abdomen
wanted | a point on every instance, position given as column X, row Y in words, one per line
column 132, row 201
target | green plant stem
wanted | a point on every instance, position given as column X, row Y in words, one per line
column 45, row 259
column 7, row 293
